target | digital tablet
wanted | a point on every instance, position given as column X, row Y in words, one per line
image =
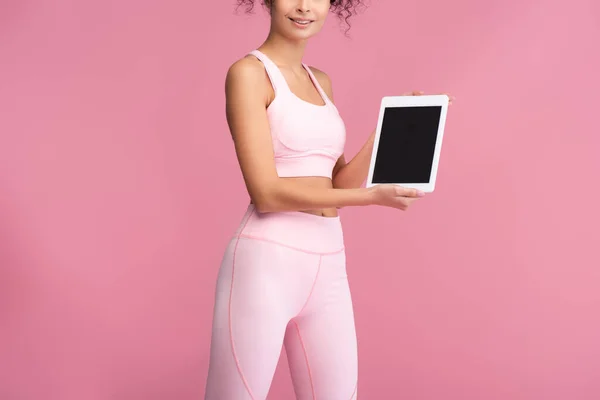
column 408, row 141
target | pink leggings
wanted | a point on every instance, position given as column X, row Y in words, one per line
column 283, row 281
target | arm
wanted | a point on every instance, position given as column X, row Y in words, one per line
column 349, row 175
column 353, row 174
column 246, row 99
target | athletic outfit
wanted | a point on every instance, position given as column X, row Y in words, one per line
column 282, row 280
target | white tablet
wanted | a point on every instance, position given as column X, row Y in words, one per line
column 408, row 141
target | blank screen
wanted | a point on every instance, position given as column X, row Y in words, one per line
column 407, row 144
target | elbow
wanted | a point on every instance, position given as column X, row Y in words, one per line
column 263, row 206
column 266, row 201
column 267, row 206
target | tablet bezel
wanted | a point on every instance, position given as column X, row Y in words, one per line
column 412, row 101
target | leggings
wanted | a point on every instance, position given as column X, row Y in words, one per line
column 283, row 283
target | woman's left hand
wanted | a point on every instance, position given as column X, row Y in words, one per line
column 419, row 93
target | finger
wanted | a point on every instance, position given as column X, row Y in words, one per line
column 450, row 98
column 413, row 93
column 410, row 201
column 401, row 204
column 406, row 202
column 409, row 192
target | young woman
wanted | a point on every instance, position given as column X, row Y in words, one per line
column 282, row 281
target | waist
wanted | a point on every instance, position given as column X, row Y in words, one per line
column 297, row 230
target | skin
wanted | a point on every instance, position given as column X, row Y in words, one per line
column 248, row 94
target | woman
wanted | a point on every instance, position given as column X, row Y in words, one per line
column 283, row 280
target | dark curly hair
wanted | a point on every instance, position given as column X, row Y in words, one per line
column 344, row 9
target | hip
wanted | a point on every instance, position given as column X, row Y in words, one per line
column 302, row 231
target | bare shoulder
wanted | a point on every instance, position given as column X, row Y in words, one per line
column 323, row 80
column 247, row 72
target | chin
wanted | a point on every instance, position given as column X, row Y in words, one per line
column 295, row 36
column 292, row 34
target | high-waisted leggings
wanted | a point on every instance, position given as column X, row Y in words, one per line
column 283, row 282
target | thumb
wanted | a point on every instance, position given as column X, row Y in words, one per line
column 409, row 192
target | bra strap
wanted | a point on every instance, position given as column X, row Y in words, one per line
column 317, row 84
column 277, row 80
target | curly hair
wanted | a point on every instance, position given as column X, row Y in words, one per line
column 344, row 9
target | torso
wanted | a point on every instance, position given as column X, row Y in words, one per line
column 304, row 89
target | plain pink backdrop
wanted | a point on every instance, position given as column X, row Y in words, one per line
column 119, row 189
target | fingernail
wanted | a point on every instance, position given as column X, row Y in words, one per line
column 420, row 193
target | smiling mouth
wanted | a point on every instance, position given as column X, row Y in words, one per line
column 300, row 21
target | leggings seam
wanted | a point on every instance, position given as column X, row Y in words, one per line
column 237, row 361
column 310, row 378
column 246, row 236
column 312, row 289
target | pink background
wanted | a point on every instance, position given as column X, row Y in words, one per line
column 113, row 220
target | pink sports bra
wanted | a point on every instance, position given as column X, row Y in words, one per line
column 307, row 138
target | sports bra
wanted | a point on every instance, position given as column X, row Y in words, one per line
column 307, row 138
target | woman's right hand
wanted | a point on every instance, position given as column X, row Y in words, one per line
column 395, row 196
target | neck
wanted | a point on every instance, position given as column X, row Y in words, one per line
column 284, row 51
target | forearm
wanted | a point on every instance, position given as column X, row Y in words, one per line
column 292, row 195
column 355, row 172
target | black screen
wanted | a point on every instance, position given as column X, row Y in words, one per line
column 407, row 144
